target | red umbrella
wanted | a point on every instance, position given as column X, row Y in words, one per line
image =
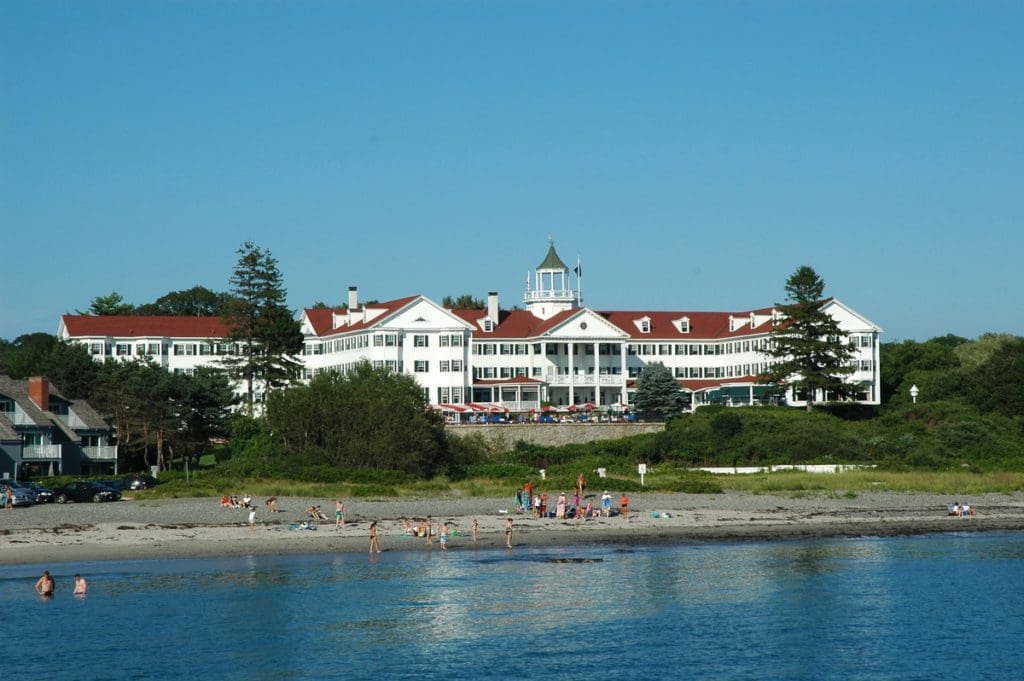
column 549, row 408
column 573, row 407
column 589, row 406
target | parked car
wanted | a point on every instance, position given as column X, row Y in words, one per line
column 139, row 481
column 20, row 495
column 44, row 495
column 85, row 490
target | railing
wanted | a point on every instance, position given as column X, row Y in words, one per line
column 41, row 452
column 548, row 294
column 103, row 452
column 583, row 379
column 514, row 406
column 71, row 421
column 19, row 418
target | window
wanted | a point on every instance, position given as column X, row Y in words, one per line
column 390, row 340
column 442, row 340
column 865, row 365
column 154, row 349
column 140, row 349
column 204, row 349
column 378, row 340
column 456, row 365
column 664, row 349
column 420, row 341
column 456, row 341
column 456, row 395
column 442, row 395
column 95, row 348
column 421, row 366
column 123, row 349
column 443, row 365
column 392, row 365
column 865, row 341
column 505, row 348
column 522, row 349
column 506, row 372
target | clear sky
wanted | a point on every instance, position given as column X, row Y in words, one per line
column 692, row 154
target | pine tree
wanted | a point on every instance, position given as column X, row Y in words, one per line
column 812, row 351
column 265, row 334
column 657, row 393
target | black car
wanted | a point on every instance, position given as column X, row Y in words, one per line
column 139, row 481
column 44, row 495
column 85, row 490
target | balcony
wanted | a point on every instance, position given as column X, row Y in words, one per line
column 41, row 452
column 101, row 453
column 584, row 379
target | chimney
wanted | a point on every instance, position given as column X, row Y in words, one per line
column 353, row 298
column 492, row 306
column 39, row 392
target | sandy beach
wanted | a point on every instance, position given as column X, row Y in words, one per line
column 164, row 528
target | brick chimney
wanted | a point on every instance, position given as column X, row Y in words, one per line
column 39, row 392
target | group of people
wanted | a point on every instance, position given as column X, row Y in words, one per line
column 527, row 501
column 961, row 510
column 232, row 501
column 46, row 587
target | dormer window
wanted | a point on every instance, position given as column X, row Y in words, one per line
column 682, row 325
column 644, row 324
column 488, row 325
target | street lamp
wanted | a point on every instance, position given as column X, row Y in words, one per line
column 913, row 393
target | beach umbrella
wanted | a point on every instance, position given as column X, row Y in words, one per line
column 573, row 407
column 589, row 406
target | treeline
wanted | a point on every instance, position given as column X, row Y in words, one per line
column 969, row 414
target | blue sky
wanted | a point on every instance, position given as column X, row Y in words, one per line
column 692, row 154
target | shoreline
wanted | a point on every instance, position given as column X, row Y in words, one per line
column 185, row 528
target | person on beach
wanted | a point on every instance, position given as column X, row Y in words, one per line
column 8, row 497
column 374, row 546
column 536, row 505
column 544, row 505
column 444, row 537
column 606, row 504
column 560, row 507
column 519, row 499
column 430, row 529
column 225, row 501
column 624, row 506
column 508, row 533
column 271, row 504
column 247, row 501
column 576, row 502
column 581, row 484
column 474, row 528
column 527, row 496
column 81, row 588
column 966, row 510
column 252, row 518
column 339, row 513
column 44, row 587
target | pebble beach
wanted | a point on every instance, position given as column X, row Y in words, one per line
column 138, row 528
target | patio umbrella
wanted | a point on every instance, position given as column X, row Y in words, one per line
column 589, row 406
column 573, row 407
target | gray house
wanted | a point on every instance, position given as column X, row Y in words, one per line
column 44, row 433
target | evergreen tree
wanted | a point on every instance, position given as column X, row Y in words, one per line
column 813, row 353
column 657, row 393
column 111, row 304
column 464, row 302
column 266, row 335
column 197, row 301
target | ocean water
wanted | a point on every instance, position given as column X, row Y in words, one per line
column 927, row 607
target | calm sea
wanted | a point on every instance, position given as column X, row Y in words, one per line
column 929, row 607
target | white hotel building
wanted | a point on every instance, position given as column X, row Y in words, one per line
column 554, row 350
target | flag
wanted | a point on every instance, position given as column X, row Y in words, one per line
column 578, row 271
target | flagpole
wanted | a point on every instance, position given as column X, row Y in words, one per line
column 579, row 281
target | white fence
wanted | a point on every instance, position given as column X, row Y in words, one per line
column 806, row 468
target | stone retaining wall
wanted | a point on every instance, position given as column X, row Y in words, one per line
column 505, row 435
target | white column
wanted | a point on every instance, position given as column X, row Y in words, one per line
column 625, row 371
column 597, row 375
column 572, row 375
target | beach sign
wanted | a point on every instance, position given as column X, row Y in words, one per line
column 642, row 470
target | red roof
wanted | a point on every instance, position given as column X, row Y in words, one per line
column 322, row 318
column 86, row 326
column 521, row 324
